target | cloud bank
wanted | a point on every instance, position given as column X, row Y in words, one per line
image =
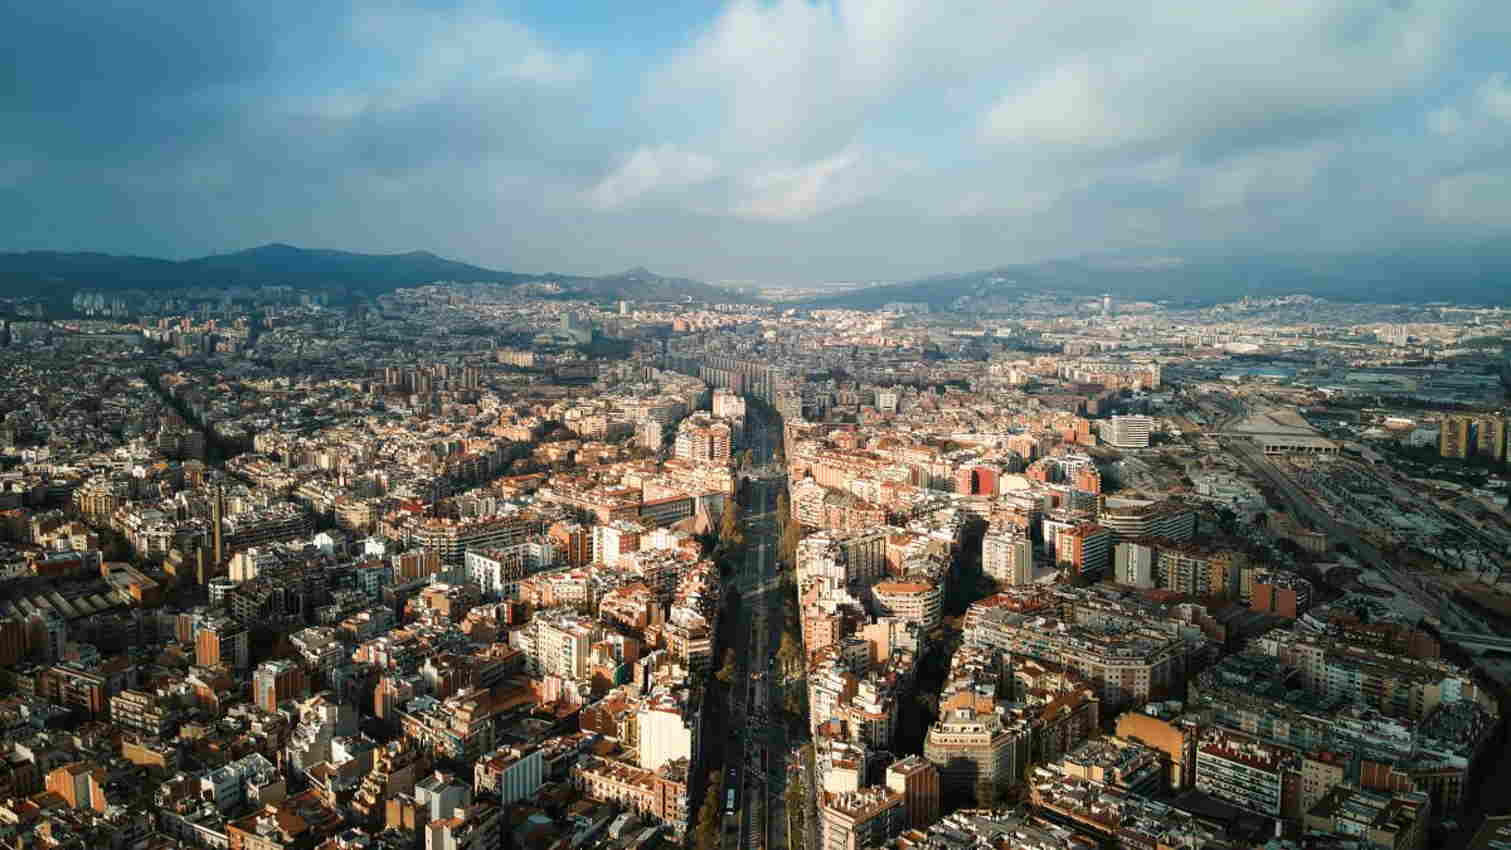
column 772, row 140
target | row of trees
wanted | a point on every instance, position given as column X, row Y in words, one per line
column 790, row 651
column 795, row 797
column 710, row 818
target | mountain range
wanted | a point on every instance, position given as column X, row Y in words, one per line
column 51, row 273
column 1473, row 273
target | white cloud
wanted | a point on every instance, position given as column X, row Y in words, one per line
column 472, row 52
column 797, row 192
column 650, row 173
column 1494, row 97
column 1446, row 121
column 1478, row 200
column 1264, row 175
column 1206, row 105
column 1227, row 70
column 1064, row 107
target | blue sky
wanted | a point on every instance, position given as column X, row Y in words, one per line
column 778, row 141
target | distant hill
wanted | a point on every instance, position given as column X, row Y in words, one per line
column 1478, row 273
column 51, row 272
column 648, row 286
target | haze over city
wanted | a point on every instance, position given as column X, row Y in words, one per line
column 755, row 425
column 782, row 142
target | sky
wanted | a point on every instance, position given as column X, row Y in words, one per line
column 765, row 141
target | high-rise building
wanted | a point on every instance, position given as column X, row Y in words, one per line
column 1133, row 564
column 729, row 405
column 1007, row 557
column 275, row 681
column 1086, row 548
column 221, row 640
column 1490, row 438
column 1175, row 737
column 917, row 780
column 1128, row 432
column 217, row 520
column 977, row 480
column 977, row 751
column 616, row 541
column 1453, row 437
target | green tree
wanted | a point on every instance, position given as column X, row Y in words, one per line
column 727, row 672
column 795, row 703
column 706, row 834
column 792, row 533
column 730, row 536
column 797, row 810
column 788, row 654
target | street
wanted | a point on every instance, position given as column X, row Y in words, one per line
column 755, row 757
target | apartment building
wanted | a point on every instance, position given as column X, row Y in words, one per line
column 1007, row 557
column 916, row 779
column 511, row 773
column 558, row 643
column 1128, row 432
column 666, row 730
column 615, row 541
column 451, row 539
column 274, row 682
column 660, row 793
column 142, row 712
column 1118, row 763
column 1199, row 570
column 1123, row 664
column 912, row 601
column 1133, row 564
column 860, row 556
column 498, row 571
column 1282, row 593
column 1174, row 737
column 1128, row 520
column 1248, row 773
column 479, row 826
column 703, row 438
column 1086, row 549
column 853, row 820
column 1395, row 685
column 221, row 640
column 976, row 751
column 1381, row 821
column 1453, row 437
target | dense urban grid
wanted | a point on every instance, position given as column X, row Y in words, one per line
column 479, row 566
